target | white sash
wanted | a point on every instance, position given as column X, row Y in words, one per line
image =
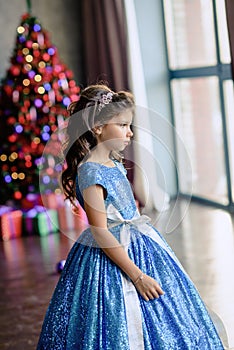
column 132, row 304
column 141, row 223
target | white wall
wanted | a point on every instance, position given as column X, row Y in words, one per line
column 152, row 42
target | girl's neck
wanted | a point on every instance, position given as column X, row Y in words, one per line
column 99, row 155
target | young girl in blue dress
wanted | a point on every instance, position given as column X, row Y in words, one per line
column 122, row 287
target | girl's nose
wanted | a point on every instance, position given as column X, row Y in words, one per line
column 130, row 133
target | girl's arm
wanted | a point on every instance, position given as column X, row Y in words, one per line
column 96, row 213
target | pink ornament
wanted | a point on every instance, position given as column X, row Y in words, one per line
column 33, row 114
column 29, row 44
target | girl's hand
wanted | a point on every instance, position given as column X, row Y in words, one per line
column 148, row 288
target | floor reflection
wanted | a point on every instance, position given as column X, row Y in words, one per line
column 204, row 243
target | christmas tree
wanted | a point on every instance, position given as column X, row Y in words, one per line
column 34, row 97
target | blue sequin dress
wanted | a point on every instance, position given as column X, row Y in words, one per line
column 96, row 307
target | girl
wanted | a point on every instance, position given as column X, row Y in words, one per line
column 122, row 286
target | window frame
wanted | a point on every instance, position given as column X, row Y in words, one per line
column 223, row 71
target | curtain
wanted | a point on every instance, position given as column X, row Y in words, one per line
column 230, row 23
column 105, row 50
column 104, row 42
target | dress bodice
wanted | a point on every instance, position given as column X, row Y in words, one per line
column 113, row 180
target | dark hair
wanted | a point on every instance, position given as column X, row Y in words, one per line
column 86, row 113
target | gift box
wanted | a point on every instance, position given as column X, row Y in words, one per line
column 47, row 222
column 71, row 219
column 10, row 223
column 30, row 201
column 5, row 209
column 52, row 200
column 30, row 222
column 40, row 220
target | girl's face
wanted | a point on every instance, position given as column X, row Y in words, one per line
column 116, row 134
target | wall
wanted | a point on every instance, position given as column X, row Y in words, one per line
column 152, row 42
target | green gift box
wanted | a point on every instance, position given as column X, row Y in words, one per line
column 41, row 221
column 47, row 222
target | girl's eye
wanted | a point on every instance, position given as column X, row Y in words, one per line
column 123, row 125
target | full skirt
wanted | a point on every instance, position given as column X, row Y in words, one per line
column 91, row 310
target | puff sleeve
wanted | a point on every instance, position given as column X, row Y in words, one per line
column 90, row 174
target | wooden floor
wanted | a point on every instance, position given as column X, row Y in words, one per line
column 202, row 238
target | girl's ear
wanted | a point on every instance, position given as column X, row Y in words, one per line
column 97, row 130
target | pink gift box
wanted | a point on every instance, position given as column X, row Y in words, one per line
column 11, row 224
column 52, row 200
column 70, row 221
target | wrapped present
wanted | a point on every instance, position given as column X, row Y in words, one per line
column 72, row 219
column 30, row 201
column 52, row 200
column 30, row 222
column 40, row 220
column 47, row 222
column 5, row 209
column 10, row 223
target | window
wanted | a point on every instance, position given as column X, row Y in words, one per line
column 202, row 96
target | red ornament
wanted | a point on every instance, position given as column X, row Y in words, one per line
column 8, row 89
column 52, row 119
column 74, row 98
column 46, row 57
column 36, row 53
column 33, row 145
column 21, row 119
column 26, row 103
column 53, row 127
column 69, row 74
column 12, row 138
column 25, row 16
column 28, row 164
column 72, row 83
column 59, row 98
column 11, row 120
column 18, row 195
column 5, row 167
column 45, row 98
column 15, row 70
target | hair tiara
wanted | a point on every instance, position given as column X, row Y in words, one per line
column 104, row 100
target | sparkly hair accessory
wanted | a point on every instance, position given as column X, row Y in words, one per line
column 104, row 100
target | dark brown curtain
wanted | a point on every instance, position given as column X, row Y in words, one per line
column 104, row 37
column 105, row 42
column 230, row 23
